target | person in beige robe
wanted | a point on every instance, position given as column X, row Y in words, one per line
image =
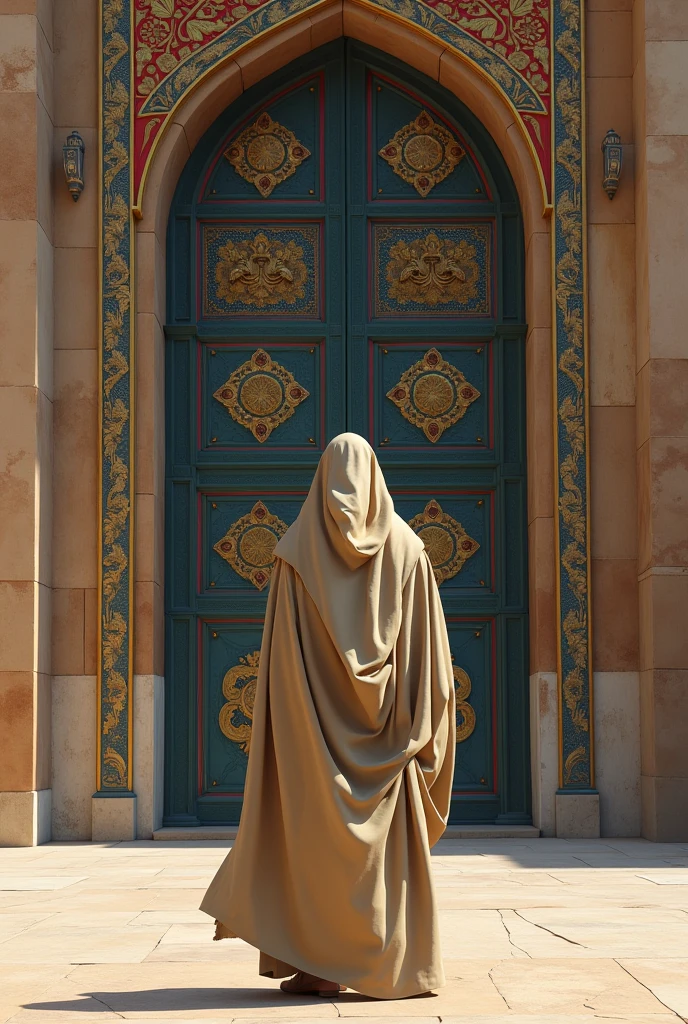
column 352, row 750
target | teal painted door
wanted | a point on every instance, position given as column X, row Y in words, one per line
column 344, row 252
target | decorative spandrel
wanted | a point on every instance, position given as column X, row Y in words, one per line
column 239, row 690
column 465, row 714
column 261, row 394
column 423, row 153
column 443, row 272
column 433, row 394
column 446, row 542
column 266, row 153
column 249, row 544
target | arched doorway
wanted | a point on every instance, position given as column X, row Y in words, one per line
column 344, row 252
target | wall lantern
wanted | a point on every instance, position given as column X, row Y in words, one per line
column 73, row 160
column 612, row 154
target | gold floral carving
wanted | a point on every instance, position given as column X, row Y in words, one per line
column 260, row 395
column 261, row 271
column 432, row 271
column 446, row 542
column 249, row 544
column 465, row 715
column 266, row 153
column 423, row 153
column 433, row 394
column 239, row 690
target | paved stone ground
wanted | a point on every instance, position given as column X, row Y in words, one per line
column 537, row 931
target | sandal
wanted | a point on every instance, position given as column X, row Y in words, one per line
column 303, row 984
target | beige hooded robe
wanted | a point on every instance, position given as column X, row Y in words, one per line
column 352, row 749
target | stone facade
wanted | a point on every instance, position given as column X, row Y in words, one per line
column 635, row 53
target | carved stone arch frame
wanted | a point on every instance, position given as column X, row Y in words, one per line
column 132, row 400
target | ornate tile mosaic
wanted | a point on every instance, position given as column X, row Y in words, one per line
column 265, row 270
column 442, row 271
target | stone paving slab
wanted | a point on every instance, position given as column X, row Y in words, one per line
column 534, row 931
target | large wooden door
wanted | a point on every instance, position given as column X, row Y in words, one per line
column 344, row 252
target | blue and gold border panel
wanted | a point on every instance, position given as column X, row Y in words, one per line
column 115, row 598
column 571, row 401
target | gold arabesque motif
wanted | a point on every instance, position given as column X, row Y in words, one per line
column 423, row 153
column 266, row 153
column 446, row 542
column 261, row 394
column 432, row 271
column 249, row 544
column 433, row 394
column 239, row 690
column 465, row 714
column 261, row 271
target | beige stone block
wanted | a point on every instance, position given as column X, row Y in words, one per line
column 610, row 5
column 150, row 405
column 149, row 629
column 600, row 209
column 18, row 54
column 76, row 224
column 527, row 181
column 609, row 44
column 150, row 275
column 615, row 614
column 577, row 815
column 113, row 819
column 25, row 818
column 75, row 516
column 539, row 427
column 274, row 52
column 662, row 407
column 666, row 92
column 18, row 464
column 665, row 19
column 609, row 104
column 414, row 49
column 667, row 979
column 326, row 25
column 68, row 632
column 43, row 730
column 76, row 298
column 662, row 465
column 17, row 713
column 665, row 698
column 44, row 314
column 616, row 707
column 149, row 763
column 613, row 482
column 149, row 563
column 359, row 23
column 663, row 634
column 543, row 627
column 168, row 162
column 18, row 320
column 18, row 114
column 76, row 65
column 667, row 170
column 18, row 600
column 539, row 281
column 45, row 171
column 645, row 496
column 611, row 262
column 665, row 809
column 90, row 631
column 73, row 756
column 203, row 106
column 44, row 72
column 544, row 748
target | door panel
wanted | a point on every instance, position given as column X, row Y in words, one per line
column 344, row 252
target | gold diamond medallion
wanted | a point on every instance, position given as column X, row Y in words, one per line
column 446, row 542
column 266, row 153
column 239, row 690
column 261, row 394
column 249, row 544
column 433, row 394
column 423, row 153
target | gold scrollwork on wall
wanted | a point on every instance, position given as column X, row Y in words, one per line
column 249, row 544
column 446, row 542
column 266, row 153
column 239, row 690
column 433, row 394
column 465, row 714
column 423, row 153
column 261, row 394
column 261, row 271
column 432, row 271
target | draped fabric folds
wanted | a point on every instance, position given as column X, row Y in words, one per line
column 352, row 749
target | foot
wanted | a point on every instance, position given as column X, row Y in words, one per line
column 303, row 984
